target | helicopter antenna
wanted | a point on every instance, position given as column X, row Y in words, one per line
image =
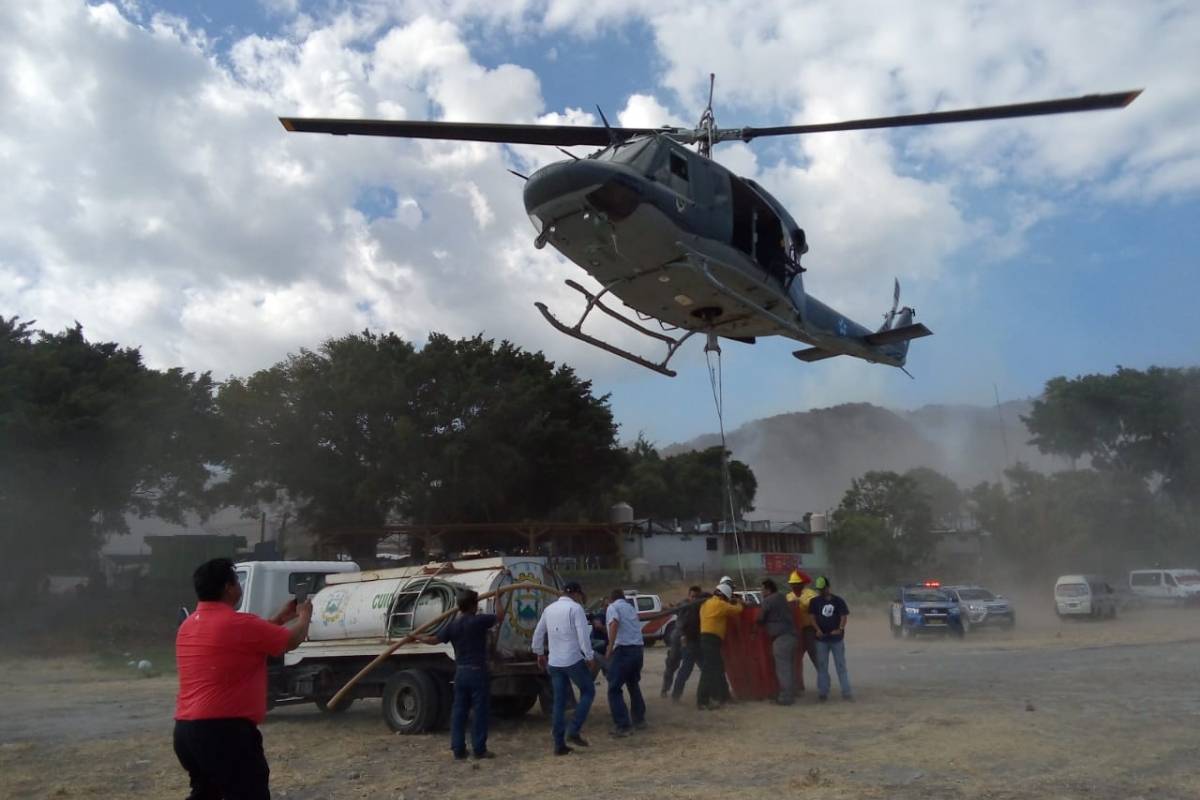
column 707, row 127
column 613, row 139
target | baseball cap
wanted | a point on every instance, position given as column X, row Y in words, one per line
column 821, row 583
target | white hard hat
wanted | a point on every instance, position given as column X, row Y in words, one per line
column 726, row 579
column 725, row 589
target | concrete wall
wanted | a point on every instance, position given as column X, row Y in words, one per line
column 690, row 553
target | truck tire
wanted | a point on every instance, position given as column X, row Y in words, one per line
column 411, row 702
column 513, row 706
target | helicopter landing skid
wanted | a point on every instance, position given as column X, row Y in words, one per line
column 593, row 301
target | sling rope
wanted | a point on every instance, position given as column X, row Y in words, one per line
column 716, row 381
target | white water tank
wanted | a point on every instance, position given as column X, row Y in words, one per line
column 818, row 524
column 639, row 570
column 621, row 514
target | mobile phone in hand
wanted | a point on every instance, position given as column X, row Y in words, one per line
column 301, row 593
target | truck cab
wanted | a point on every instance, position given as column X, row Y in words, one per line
column 267, row 585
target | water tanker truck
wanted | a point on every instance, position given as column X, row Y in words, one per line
column 356, row 615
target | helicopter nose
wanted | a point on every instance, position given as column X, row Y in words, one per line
column 568, row 186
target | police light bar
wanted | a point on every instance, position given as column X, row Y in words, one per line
column 932, row 584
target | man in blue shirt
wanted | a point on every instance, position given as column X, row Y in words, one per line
column 829, row 616
column 468, row 632
column 625, row 653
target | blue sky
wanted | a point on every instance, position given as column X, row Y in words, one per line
column 179, row 217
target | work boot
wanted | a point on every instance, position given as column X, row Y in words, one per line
column 619, row 733
column 563, row 751
column 577, row 740
column 640, row 726
column 484, row 754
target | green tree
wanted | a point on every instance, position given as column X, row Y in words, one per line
column 865, row 550
column 943, row 495
column 1145, row 423
column 330, row 432
column 686, row 485
column 90, row 434
column 506, row 435
column 898, row 501
column 367, row 429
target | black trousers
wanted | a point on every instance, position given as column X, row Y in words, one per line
column 224, row 759
column 713, row 687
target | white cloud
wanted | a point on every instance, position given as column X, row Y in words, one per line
column 151, row 194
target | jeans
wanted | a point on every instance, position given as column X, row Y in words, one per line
column 561, row 679
column 625, row 669
column 838, row 649
column 223, row 758
column 470, row 694
column 783, row 648
column 689, row 657
column 713, row 687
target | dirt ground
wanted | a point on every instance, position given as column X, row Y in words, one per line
column 1054, row 710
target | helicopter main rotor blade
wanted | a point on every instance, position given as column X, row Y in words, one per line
column 1091, row 102
column 561, row 135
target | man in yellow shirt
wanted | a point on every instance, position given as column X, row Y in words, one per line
column 715, row 614
column 802, row 594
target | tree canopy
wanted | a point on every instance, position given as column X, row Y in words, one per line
column 368, row 429
column 686, row 485
column 90, row 434
column 884, row 525
column 1145, row 423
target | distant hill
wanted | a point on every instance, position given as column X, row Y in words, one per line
column 804, row 461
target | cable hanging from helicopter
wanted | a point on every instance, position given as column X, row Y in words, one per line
column 679, row 238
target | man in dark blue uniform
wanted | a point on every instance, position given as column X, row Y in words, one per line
column 468, row 632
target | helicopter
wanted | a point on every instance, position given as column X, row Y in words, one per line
column 683, row 241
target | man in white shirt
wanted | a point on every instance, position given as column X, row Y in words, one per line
column 565, row 628
column 626, row 649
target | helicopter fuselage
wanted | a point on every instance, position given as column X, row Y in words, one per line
column 680, row 238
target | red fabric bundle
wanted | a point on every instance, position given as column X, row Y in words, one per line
column 749, row 664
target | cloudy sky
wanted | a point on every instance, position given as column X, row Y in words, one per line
column 150, row 193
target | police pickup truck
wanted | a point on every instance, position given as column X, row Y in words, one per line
column 924, row 608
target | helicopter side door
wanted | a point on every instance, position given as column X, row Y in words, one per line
column 757, row 229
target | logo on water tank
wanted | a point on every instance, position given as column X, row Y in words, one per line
column 335, row 608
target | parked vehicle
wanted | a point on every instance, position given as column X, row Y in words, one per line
column 981, row 608
column 356, row 615
column 924, row 608
column 752, row 597
column 1167, row 586
column 1084, row 596
column 655, row 628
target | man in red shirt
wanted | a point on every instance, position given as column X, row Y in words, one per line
column 221, row 656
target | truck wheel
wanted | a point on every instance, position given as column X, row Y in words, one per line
column 340, row 708
column 411, row 702
column 513, row 706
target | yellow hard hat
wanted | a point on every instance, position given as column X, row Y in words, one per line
column 796, row 577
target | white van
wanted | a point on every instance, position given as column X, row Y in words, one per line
column 1174, row 586
column 1084, row 596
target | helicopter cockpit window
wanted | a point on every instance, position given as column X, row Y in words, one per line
column 679, row 166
